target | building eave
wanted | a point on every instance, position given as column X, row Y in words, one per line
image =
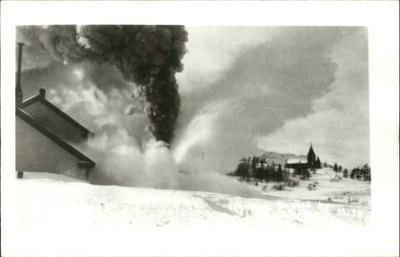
column 30, row 101
column 41, row 98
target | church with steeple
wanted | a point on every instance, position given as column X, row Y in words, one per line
column 312, row 160
column 301, row 165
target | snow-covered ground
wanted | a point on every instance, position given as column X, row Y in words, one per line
column 94, row 204
column 50, row 204
column 358, row 192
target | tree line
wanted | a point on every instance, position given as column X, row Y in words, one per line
column 360, row 173
column 258, row 168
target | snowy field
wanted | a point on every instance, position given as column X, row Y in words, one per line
column 94, row 204
column 344, row 191
column 65, row 210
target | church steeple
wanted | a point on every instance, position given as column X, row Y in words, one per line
column 311, row 158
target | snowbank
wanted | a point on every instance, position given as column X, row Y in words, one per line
column 54, row 213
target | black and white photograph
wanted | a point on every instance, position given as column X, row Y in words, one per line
column 160, row 126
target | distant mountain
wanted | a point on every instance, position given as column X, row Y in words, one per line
column 280, row 157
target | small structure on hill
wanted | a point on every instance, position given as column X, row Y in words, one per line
column 45, row 136
column 299, row 166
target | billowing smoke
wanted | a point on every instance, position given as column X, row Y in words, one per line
column 148, row 56
column 116, row 85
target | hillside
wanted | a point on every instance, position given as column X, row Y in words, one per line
column 280, row 157
column 327, row 189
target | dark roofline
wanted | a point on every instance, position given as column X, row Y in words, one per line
column 297, row 165
column 30, row 101
column 70, row 149
column 41, row 98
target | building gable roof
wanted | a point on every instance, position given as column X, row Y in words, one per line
column 42, row 99
column 84, row 161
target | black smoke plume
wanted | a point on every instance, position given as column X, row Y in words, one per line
column 148, row 56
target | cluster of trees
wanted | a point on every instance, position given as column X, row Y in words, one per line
column 337, row 168
column 318, row 164
column 357, row 173
column 258, row 168
column 361, row 173
column 345, row 173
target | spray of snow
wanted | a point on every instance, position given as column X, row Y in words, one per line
column 138, row 159
column 124, row 149
column 121, row 162
column 198, row 130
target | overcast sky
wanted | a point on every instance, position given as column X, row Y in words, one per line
column 277, row 89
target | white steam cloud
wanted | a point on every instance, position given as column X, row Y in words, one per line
column 274, row 80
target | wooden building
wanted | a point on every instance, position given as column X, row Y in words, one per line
column 302, row 166
column 45, row 137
